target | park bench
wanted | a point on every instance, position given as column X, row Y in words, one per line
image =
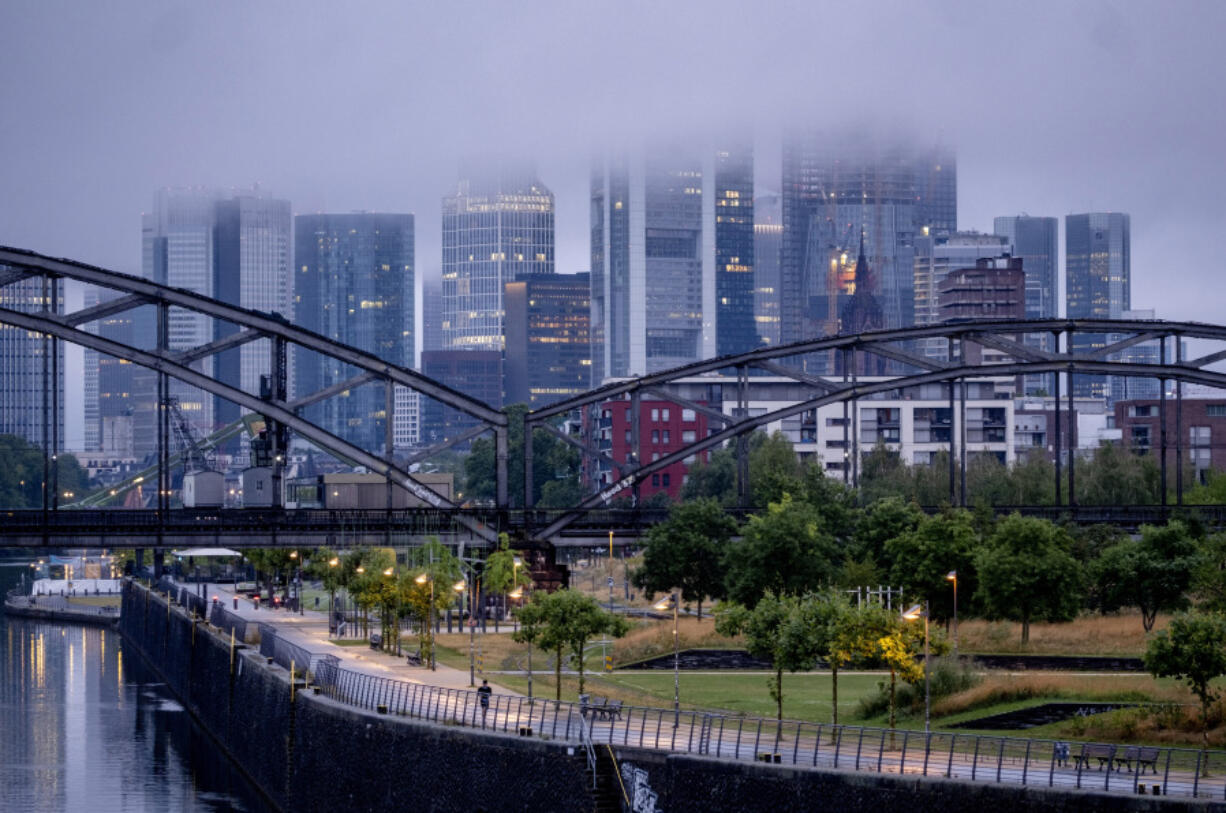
column 1141, row 755
column 414, row 658
column 376, row 641
column 1105, row 754
column 601, row 707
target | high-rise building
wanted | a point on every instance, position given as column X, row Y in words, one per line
column 406, row 422
column 432, row 314
column 672, row 258
column 1097, row 271
column 836, row 189
column 936, row 255
column 234, row 248
column 548, row 351
column 1034, row 240
column 1124, row 388
column 476, row 373
column 353, row 282
column 92, row 420
column 767, row 239
column 31, row 369
column 497, row 228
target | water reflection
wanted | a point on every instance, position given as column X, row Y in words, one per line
column 83, row 728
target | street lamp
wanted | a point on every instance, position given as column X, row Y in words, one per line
column 332, row 563
column 953, row 577
column 914, row 612
column 663, row 604
column 422, row 579
column 298, row 582
column 460, row 587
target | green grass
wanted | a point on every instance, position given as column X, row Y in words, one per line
column 350, row 642
column 96, row 601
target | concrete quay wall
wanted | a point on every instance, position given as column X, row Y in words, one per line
column 307, row 752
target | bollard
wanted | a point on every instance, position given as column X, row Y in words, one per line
column 236, row 602
column 1157, row 790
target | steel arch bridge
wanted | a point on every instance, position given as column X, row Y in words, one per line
column 892, row 353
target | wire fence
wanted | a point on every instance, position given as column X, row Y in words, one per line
column 1182, row 772
column 284, row 653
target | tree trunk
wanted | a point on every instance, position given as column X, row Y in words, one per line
column 779, row 696
column 1148, row 616
column 891, row 698
column 580, row 670
column 834, row 691
column 1025, row 628
column 699, row 609
column 557, row 674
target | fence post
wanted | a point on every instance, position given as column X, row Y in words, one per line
column 859, row 748
column 796, row 745
column 1026, row 763
column 758, row 739
column 902, row 763
column 975, row 759
column 838, row 743
column 881, row 747
column 1000, row 758
column 1196, row 781
column 1166, row 771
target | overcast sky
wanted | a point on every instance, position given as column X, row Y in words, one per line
column 1053, row 107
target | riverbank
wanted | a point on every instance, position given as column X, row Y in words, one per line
column 60, row 608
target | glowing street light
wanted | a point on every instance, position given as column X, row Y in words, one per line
column 952, row 576
column 422, row 579
column 460, row 587
column 663, row 604
column 912, row 613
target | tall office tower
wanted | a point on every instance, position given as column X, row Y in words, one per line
column 1097, row 272
column 669, row 231
column 235, row 249
column 1034, row 240
column 432, row 314
column 1129, row 388
column 548, row 353
column 836, row 188
column 119, row 381
column 406, row 422
column 31, row 369
column 353, row 282
column 92, row 439
column 767, row 238
column 936, row 256
column 735, row 329
column 497, row 228
column 476, row 373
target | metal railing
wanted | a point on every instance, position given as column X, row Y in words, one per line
column 222, row 618
column 1182, row 772
column 283, row 653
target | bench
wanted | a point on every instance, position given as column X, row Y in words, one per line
column 376, row 641
column 1141, row 755
column 414, row 658
column 601, row 707
column 1105, row 754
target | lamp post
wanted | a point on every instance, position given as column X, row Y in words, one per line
column 460, row 587
column 953, row 577
column 422, row 579
column 662, row 604
column 333, row 563
column 910, row 615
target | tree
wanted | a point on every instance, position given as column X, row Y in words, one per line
column 883, row 520
column 822, row 628
column 554, row 461
column 500, row 574
column 771, row 634
column 1116, row 476
column 715, row 478
column 773, row 468
column 1152, row 573
column 1193, row 649
column 22, row 471
column 685, row 552
column 787, row 551
column 567, row 619
column 835, row 503
column 924, row 556
column 1026, row 572
column 1209, row 578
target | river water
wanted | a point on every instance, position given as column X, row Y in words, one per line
column 85, row 726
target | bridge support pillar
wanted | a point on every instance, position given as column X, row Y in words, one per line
column 1072, row 445
column 1162, row 425
column 1178, row 425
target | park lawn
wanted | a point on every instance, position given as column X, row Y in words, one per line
column 1120, row 634
column 352, row 641
column 96, row 601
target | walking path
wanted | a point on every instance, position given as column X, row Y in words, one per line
column 309, row 630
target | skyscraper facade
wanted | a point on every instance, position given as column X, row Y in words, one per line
column 836, row 189
column 353, row 282
column 31, row 368
column 768, row 236
column 1034, row 240
column 935, row 257
column 234, row 248
column 672, row 258
column 548, row 352
column 498, row 227
column 1097, row 271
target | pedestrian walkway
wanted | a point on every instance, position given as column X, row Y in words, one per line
column 308, row 629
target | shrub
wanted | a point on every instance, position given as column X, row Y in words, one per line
column 948, row 676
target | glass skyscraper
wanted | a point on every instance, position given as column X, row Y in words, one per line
column 835, row 189
column 548, row 352
column 498, row 227
column 353, row 282
column 768, row 234
column 672, row 258
column 234, row 248
column 25, row 403
column 1097, row 271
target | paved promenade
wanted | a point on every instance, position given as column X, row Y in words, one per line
column 309, row 630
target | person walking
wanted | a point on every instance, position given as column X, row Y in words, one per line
column 483, row 692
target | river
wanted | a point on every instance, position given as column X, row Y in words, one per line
column 85, row 726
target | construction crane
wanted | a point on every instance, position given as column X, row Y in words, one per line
column 191, row 451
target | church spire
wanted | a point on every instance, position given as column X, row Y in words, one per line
column 861, row 265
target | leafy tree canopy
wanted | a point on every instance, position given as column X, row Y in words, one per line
column 786, row 550
column 686, row 552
